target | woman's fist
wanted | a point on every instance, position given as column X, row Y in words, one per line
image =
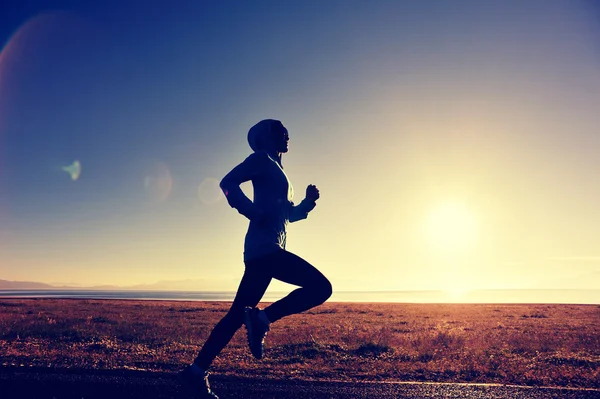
column 312, row 192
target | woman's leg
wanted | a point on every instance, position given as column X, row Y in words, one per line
column 252, row 287
column 292, row 269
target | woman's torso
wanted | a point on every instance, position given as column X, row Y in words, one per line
column 272, row 195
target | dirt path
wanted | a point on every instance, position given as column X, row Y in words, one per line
column 91, row 384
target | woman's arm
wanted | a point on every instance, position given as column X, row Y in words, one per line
column 308, row 204
column 301, row 210
column 230, row 184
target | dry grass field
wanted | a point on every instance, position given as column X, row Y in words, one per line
column 549, row 345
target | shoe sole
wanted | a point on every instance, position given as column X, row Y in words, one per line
column 190, row 389
column 250, row 332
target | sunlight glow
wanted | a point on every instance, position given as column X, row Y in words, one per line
column 458, row 288
column 450, row 228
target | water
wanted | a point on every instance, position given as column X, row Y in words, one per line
column 482, row 296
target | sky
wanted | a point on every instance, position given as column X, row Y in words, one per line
column 454, row 143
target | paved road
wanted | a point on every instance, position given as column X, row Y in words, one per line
column 86, row 384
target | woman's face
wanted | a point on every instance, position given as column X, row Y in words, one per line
column 281, row 138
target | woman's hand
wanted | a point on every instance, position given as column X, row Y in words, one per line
column 312, row 192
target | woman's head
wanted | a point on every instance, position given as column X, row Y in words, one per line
column 268, row 135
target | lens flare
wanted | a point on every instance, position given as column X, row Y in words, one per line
column 158, row 183
column 42, row 42
column 209, row 191
column 41, row 33
column 74, row 170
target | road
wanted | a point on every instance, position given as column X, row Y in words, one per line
column 18, row 383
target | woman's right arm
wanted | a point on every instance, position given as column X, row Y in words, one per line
column 246, row 171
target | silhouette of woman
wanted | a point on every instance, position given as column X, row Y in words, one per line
column 265, row 256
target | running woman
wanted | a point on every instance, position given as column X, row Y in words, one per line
column 265, row 256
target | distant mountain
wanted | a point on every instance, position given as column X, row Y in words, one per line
column 170, row 285
column 23, row 285
column 173, row 285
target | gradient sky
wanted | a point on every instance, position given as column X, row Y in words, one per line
column 455, row 144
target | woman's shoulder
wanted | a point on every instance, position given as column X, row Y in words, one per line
column 257, row 161
column 258, row 156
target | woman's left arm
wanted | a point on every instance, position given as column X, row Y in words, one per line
column 301, row 210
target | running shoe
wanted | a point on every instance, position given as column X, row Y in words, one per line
column 196, row 383
column 257, row 330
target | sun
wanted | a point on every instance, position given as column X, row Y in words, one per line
column 450, row 228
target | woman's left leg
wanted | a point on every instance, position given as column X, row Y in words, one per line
column 252, row 287
column 292, row 269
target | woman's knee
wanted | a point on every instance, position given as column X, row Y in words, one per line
column 324, row 290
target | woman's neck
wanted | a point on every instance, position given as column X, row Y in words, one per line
column 275, row 155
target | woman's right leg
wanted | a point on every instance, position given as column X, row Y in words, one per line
column 314, row 289
column 252, row 288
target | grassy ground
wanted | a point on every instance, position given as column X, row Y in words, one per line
column 551, row 345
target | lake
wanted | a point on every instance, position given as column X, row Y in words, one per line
column 480, row 296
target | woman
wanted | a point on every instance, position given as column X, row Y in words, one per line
column 265, row 256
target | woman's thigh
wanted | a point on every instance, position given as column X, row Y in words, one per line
column 252, row 287
column 292, row 269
